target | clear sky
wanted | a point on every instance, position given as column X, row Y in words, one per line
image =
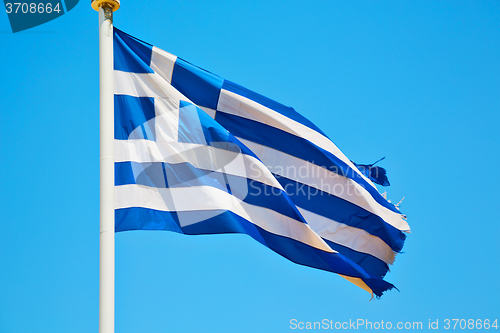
column 415, row 81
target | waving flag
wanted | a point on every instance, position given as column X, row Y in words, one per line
column 197, row 154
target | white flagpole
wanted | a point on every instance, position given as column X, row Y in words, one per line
column 107, row 173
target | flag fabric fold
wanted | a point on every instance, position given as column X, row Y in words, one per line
column 197, row 154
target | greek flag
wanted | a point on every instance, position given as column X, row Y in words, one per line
column 198, row 154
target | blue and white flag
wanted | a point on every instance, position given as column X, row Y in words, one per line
column 197, row 154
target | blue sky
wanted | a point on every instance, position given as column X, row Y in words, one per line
column 417, row 82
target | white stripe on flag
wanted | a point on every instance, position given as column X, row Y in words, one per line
column 210, row 112
column 162, row 63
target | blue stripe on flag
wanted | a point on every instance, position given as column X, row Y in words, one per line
column 263, row 195
column 199, row 85
column 165, row 175
column 131, row 54
column 132, row 112
column 228, row 222
column 342, row 211
column 138, row 218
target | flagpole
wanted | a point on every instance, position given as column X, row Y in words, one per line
column 107, row 174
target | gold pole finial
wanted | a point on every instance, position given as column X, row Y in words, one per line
column 114, row 4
